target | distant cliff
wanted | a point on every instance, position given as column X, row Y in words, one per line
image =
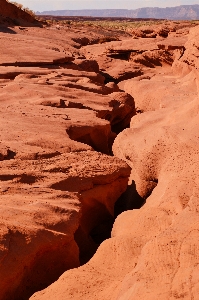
column 183, row 12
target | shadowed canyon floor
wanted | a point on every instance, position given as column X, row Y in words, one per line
column 98, row 123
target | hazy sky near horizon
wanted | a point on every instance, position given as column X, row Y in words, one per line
column 41, row 5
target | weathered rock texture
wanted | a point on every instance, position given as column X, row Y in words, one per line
column 12, row 15
column 65, row 95
column 43, row 204
column 153, row 252
column 57, row 194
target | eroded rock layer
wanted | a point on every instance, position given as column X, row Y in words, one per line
column 70, row 98
column 57, row 189
column 43, row 203
column 153, row 252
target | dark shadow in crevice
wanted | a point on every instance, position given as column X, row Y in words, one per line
column 118, row 125
column 97, row 137
column 125, row 55
column 87, row 247
column 7, row 177
column 108, row 78
column 129, row 200
column 89, row 242
column 102, row 231
column 6, row 29
column 126, row 75
column 10, row 155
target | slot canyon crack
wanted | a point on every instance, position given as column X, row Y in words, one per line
column 98, row 167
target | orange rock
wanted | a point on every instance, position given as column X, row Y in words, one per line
column 14, row 16
column 57, row 194
column 43, row 203
column 153, row 252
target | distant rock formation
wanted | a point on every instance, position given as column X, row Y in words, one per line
column 12, row 15
column 182, row 12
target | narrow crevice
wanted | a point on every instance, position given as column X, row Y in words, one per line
column 129, row 200
column 101, row 137
column 108, row 77
column 89, row 242
column 125, row 76
column 51, row 260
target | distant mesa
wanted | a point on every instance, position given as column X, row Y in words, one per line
column 182, row 12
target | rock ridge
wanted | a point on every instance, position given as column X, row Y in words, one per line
column 181, row 12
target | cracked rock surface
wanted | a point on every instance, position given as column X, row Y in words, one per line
column 153, row 251
column 87, row 127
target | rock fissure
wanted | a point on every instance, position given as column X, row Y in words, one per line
column 90, row 190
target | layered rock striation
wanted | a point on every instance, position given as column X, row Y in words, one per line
column 58, row 182
column 153, row 251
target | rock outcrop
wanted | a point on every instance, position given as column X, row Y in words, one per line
column 49, row 206
column 153, row 251
column 10, row 14
column 57, row 189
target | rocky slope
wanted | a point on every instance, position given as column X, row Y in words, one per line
column 12, row 15
column 153, row 251
column 182, row 12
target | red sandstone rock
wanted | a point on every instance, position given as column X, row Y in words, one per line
column 153, row 252
column 47, row 200
column 57, row 193
column 63, row 99
column 11, row 14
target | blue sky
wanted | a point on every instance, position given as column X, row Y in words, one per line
column 40, row 5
